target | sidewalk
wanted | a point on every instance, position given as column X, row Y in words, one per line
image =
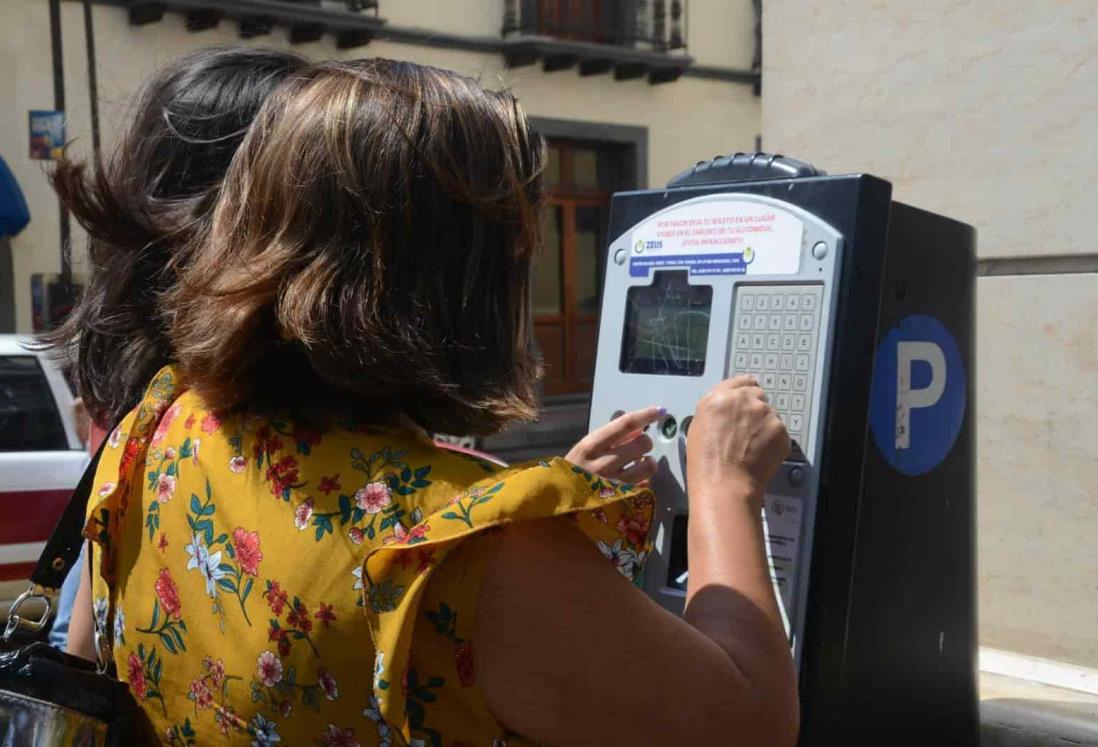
column 1027, row 702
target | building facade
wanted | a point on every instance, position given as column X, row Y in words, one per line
column 987, row 112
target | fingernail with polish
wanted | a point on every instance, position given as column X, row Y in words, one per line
column 662, row 411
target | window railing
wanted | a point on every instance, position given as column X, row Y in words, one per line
column 656, row 25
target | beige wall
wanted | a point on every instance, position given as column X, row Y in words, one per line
column 986, row 111
column 686, row 120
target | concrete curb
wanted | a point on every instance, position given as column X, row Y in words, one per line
column 1029, row 723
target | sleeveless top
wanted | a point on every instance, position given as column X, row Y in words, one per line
column 262, row 582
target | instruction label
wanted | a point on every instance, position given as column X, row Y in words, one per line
column 719, row 237
column 782, row 527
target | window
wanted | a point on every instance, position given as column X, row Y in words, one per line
column 29, row 419
column 567, row 280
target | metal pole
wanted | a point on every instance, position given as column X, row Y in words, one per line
column 93, row 83
column 59, row 105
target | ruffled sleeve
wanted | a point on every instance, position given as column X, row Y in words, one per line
column 614, row 515
column 118, row 478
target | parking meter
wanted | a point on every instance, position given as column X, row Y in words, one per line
column 855, row 314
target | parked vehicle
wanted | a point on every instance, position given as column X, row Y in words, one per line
column 41, row 458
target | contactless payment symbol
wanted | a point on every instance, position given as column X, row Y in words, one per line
column 917, row 400
column 748, row 255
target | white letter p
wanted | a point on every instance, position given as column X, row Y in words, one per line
column 908, row 399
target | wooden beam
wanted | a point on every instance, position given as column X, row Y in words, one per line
column 630, row 71
column 142, row 13
column 202, row 20
column 664, row 75
column 520, row 58
column 253, row 26
column 354, row 38
column 594, row 67
column 555, row 62
column 304, row 33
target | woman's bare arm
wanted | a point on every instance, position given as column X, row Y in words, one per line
column 569, row 653
column 81, row 628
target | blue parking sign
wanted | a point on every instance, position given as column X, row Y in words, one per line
column 917, row 401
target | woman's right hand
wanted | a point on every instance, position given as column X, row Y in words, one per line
column 736, row 441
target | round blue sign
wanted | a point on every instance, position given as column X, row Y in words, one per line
column 917, row 401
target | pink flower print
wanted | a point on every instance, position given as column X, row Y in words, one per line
column 606, row 491
column 211, row 423
column 328, row 484
column 327, row 683
column 635, row 529
column 200, row 693
column 136, row 676
column 399, row 535
column 115, row 438
column 237, row 464
column 417, row 532
column 216, row 668
column 165, row 422
column 336, row 737
column 326, row 614
column 168, row 593
column 356, row 535
column 373, row 497
column 169, row 454
column 225, row 719
column 106, row 489
column 285, row 707
column 189, row 422
column 276, row 597
column 247, row 550
column 268, row 669
column 303, row 513
column 194, row 451
column 165, row 488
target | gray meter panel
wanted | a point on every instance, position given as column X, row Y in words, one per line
column 710, row 287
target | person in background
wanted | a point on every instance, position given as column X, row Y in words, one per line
column 139, row 210
column 91, row 438
column 282, row 556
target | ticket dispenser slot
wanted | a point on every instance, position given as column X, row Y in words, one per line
column 763, row 265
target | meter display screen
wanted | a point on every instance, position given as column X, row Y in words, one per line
column 666, row 327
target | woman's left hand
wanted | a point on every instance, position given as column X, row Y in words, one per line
column 619, row 449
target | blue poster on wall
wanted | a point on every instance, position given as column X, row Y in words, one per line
column 47, row 135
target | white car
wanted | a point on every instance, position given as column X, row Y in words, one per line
column 41, row 458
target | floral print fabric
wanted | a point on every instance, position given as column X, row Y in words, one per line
column 265, row 582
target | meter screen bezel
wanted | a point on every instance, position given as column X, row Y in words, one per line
column 669, row 290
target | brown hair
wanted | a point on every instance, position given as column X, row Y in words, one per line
column 142, row 206
column 371, row 251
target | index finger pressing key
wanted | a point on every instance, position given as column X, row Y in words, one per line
column 623, row 426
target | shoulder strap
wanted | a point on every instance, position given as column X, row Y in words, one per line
column 63, row 547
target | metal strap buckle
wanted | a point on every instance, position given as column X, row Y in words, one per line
column 17, row 621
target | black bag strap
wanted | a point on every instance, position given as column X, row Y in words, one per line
column 63, row 547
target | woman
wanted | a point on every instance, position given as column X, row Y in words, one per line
column 139, row 211
column 283, row 556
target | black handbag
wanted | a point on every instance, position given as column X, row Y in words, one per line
column 46, row 696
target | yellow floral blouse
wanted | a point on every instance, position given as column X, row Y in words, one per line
column 261, row 582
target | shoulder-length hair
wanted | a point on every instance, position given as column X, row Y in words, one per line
column 143, row 205
column 370, row 251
